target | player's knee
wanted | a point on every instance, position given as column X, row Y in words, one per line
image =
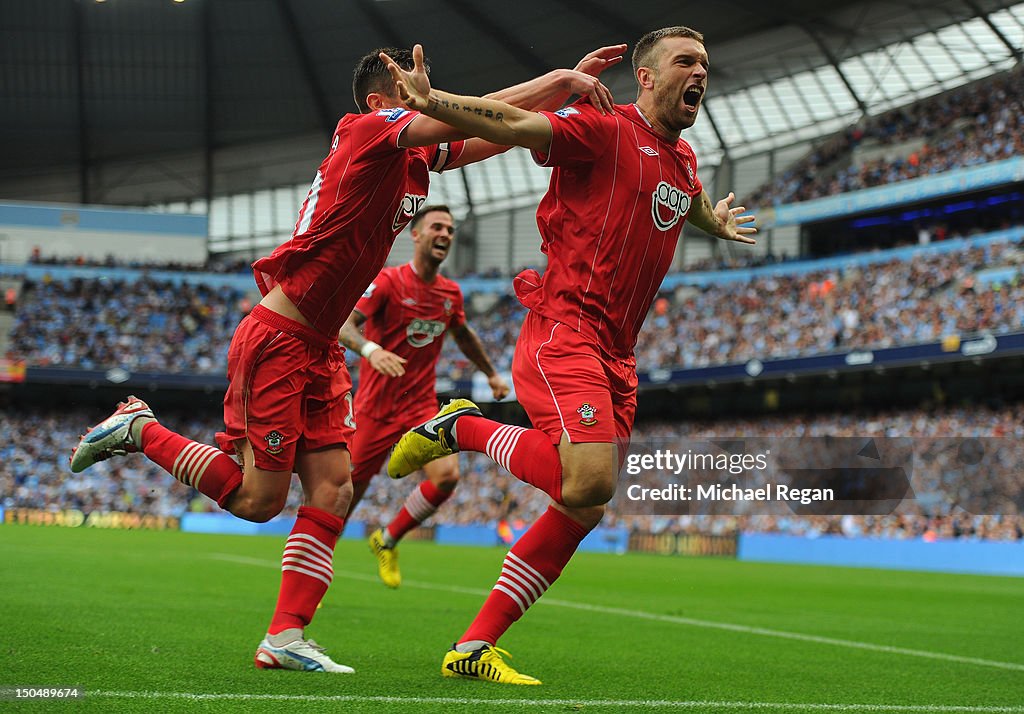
column 447, row 481
column 587, row 483
column 587, row 492
column 332, row 496
column 346, row 490
column 259, row 509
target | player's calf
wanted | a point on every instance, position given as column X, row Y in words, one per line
column 587, row 517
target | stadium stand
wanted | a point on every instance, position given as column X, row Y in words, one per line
column 970, row 125
column 144, row 325
column 784, row 311
column 35, row 476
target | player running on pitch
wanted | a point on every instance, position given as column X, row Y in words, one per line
column 405, row 313
column 288, row 407
column 622, row 186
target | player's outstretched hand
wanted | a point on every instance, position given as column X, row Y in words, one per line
column 586, row 85
column 736, row 227
column 414, row 86
column 387, row 363
column 596, row 62
column 499, row 387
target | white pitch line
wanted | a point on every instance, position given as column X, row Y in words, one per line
column 673, row 619
column 702, row 705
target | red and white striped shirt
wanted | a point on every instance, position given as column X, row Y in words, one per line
column 409, row 317
column 610, row 222
column 364, row 193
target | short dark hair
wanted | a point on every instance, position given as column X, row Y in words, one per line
column 418, row 216
column 371, row 74
column 643, row 53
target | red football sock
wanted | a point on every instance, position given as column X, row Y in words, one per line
column 201, row 466
column 527, row 454
column 419, row 506
column 530, row 567
column 306, row 569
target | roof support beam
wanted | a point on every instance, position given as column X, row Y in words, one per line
column 323, row 108
column 834, row 61
column 469, row 189
column 718, row 133
column 206, row 20
column 995, row 30
column 84, row 193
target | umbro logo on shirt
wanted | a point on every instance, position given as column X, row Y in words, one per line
column 649, row 151
column 409, row 301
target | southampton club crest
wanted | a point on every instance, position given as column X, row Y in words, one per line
column 274, row 441
column 587, row 413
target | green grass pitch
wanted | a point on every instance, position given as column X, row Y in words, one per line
column 168, row 621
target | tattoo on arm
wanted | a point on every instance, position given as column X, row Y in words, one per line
column 436, row 103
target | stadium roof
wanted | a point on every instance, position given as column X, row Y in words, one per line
column 87, row 85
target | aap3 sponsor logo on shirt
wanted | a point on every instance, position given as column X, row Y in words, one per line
column 668, row 205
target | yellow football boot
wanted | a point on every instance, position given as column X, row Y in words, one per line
column 387, row 560
column 430, row 440
column 485, row 663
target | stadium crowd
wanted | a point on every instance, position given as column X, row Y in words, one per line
column 153, row 326
column 974, row 124
column 876, row 306
column 144, row 326
column 34, row 474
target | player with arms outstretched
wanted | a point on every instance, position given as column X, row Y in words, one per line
column 405, row 314
column 288, row 407
column 622, row 186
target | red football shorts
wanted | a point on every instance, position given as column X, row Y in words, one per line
column 374, row 438
column 567, row 385
column 289, row 390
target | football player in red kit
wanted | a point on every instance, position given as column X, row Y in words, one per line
column 622, row 184
column 288, row 406
column 405, row 314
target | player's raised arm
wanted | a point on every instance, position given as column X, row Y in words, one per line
column 470, row 344
column 722, row 221
column 550, row 91
column 545, row 93
column 490, row 119
column 385, row 362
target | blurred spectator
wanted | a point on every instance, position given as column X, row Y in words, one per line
column 34, row 474
column 144, row 326
column 149, row 325
column 971, row 125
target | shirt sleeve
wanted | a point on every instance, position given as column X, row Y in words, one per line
column 698, row 187
column 579, row 133
column 379, row 132
column 443, row 155
column 375, row 296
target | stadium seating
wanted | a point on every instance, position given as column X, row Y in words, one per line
column 974, row 124
column 35, row 448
